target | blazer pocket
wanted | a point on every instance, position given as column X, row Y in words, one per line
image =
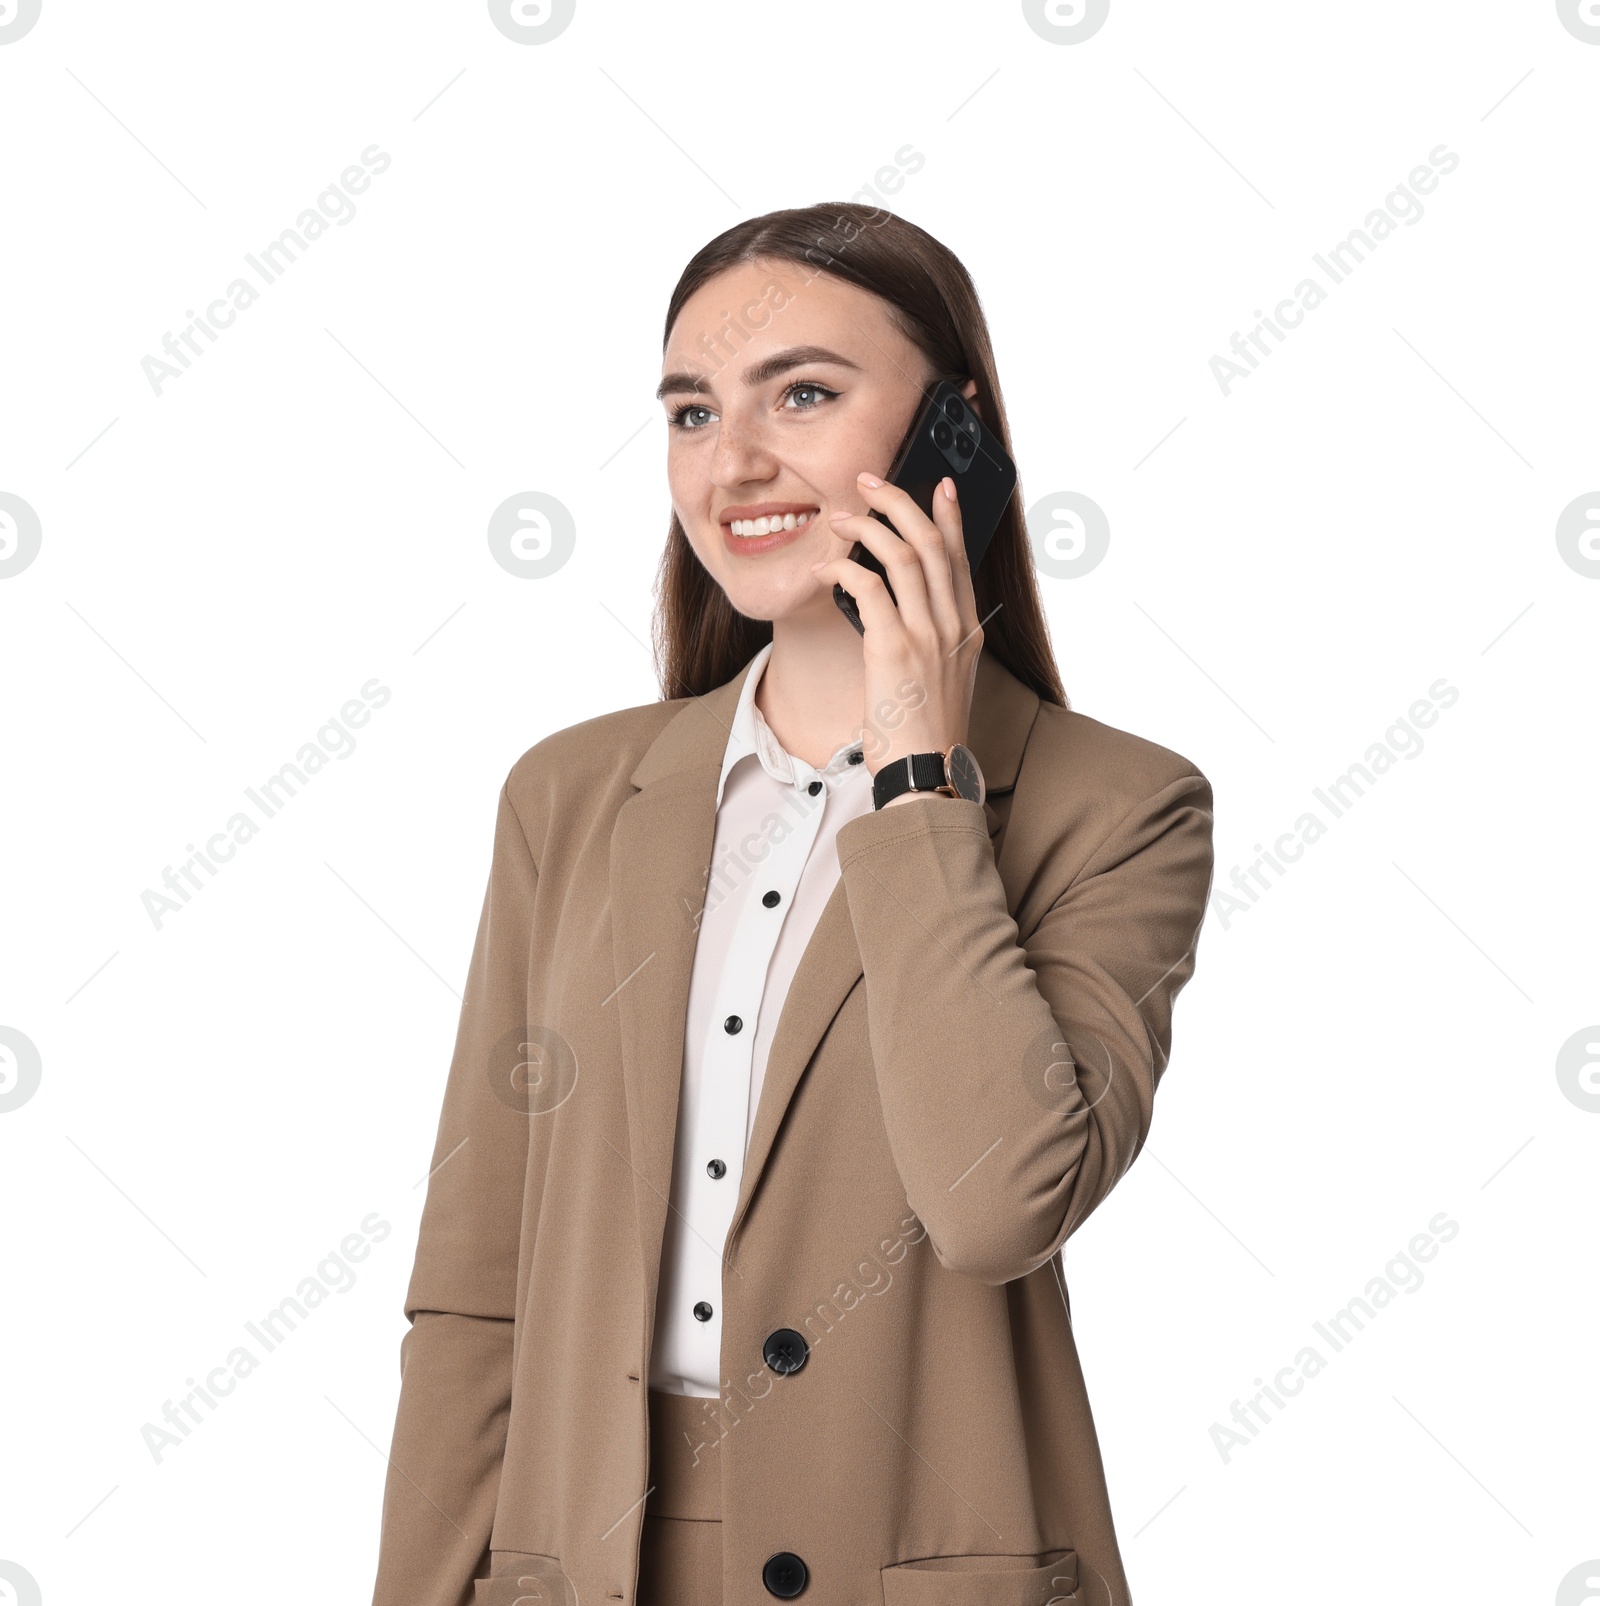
column 1049, row 1578
column 520, row 1578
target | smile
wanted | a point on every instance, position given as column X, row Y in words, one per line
column 789, row 521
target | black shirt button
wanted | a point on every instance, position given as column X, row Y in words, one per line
column 857, row 756
column 784, row 1575
column 716, row 1169
column 785, row 1351
column 733, row 1026
column 702, row 1312
column 771, row 899
column 813, row 789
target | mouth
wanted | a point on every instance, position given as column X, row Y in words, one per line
column 751, row 522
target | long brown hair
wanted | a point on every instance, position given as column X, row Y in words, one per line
column 701, row 640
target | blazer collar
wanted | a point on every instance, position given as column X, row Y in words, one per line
column 661, row 848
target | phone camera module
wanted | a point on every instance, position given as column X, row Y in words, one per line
column 953, row 409
column 964, row 445
column 943, row 435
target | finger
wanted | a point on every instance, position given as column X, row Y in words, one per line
column 931, row 539
column 925, row 537
column 897, row 505
column 950, row 583
column 873, row 602
column 900, row 559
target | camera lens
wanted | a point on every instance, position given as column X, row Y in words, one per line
column 953, row 409
column 964, row 446
column 943, row 435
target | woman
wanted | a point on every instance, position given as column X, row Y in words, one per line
column 771, row 1106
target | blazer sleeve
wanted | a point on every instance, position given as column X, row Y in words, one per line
column 456, row 1357
column 1017, row 1076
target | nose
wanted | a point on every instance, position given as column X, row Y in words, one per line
column 743, row 455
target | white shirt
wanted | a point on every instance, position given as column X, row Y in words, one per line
column 774, row 865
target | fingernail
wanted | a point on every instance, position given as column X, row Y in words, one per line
column 949, row 488
column 870, row 479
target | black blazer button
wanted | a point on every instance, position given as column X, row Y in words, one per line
column 786, row 1351
column 784, row 1575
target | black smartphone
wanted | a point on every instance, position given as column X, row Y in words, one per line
column 946, row 437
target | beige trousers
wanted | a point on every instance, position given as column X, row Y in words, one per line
column 680, row 1552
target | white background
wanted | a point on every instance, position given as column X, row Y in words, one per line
column 1291, row 566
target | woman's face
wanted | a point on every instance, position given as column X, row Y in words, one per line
column 779, row 390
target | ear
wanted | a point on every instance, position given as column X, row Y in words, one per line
column 969, row 390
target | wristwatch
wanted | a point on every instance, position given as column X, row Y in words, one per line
column 952, row 773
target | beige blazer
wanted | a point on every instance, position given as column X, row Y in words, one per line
column 963, row 1068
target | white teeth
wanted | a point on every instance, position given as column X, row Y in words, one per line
column 777, row 521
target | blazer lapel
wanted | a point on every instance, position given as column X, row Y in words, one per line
column 661, row 849
column 660, row 863
column 1002, row 715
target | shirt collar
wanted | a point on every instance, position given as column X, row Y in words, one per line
column 750, row 735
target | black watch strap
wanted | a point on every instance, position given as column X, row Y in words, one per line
column 918, row 772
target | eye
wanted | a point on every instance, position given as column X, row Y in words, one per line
column 806, row 387
column 680, row 419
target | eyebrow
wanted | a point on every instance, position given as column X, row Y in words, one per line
column 758, row 374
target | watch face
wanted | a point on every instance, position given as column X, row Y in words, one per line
column 965, row 776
